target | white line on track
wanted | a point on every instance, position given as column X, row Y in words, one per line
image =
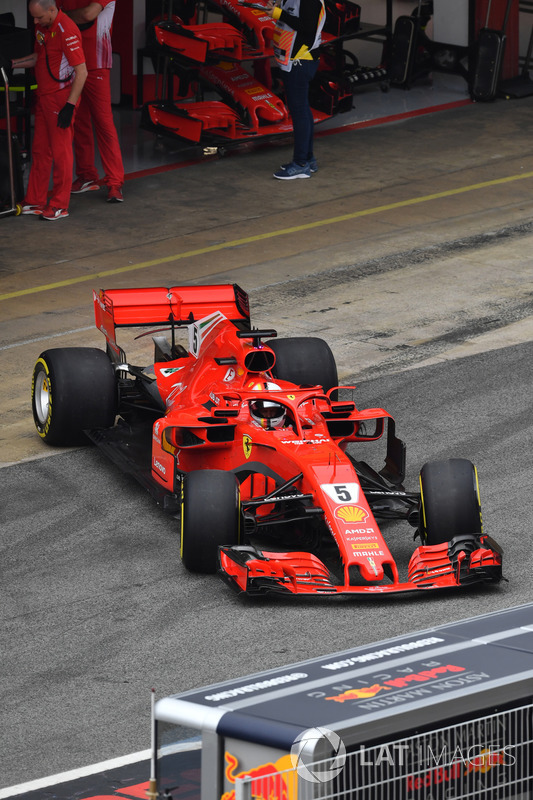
column 44, row 338
column 83, row 772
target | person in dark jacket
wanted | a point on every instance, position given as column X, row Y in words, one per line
column 296, row 41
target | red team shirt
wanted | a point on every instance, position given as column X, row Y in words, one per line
column 96, row 38
column 61, row 44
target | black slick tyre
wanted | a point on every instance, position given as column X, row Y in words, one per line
column 449, row 500
column 210, row 517
column 304, row 360
column 73, row 389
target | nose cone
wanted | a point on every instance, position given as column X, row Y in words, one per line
column 371, row 571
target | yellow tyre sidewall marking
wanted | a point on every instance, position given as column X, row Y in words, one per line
column 423, row 510
column 46, row 426
column 478, row 497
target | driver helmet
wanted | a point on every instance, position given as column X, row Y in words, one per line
column 267, row 413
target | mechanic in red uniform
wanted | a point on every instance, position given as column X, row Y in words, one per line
column 60, row 71
column 95, row 21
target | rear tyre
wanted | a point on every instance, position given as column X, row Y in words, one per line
column 210, row 517
column 73, row 389
column 449, row 503
column 304, row 360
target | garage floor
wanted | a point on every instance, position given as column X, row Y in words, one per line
column 142, row 150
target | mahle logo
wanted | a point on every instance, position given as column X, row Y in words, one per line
column 318, row 755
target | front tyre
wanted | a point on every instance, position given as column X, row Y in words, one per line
column 449, row 500
column 210, row 517
column 73, row 389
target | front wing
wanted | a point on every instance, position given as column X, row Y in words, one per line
column 462, row 561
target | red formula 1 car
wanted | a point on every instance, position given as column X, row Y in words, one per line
column 246, row 436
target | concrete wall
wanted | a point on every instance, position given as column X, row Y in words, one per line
column 17, row 8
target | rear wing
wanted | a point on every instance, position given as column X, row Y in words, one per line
column 180, row 305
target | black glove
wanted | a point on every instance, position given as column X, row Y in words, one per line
column 64, row 118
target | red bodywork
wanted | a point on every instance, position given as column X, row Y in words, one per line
column 254, row 110
column 207, row 425
column 200, row 42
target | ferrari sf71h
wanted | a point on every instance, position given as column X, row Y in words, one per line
column 245, row 437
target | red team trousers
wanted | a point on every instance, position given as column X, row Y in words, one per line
column 95, row 103
column 52, row 146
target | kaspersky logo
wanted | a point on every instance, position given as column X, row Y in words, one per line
column 366, row 692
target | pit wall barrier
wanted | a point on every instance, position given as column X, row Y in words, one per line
column 489, row 757
column 441, row 713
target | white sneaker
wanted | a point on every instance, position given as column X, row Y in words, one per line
column 37, row 210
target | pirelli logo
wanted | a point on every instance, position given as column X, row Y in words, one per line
column 366, row 546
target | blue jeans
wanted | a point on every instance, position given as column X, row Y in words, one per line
column 296, row 83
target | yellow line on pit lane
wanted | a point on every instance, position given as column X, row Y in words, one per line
column 268, row 235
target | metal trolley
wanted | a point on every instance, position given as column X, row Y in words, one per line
column 14, row 207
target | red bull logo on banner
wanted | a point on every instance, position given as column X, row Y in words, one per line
column 486, row 759
column 270, row 781
column 462, row 765
column 366, row 692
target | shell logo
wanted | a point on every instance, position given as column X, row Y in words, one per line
column 351, row 514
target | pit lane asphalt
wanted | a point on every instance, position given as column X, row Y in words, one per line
column 411, row 247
